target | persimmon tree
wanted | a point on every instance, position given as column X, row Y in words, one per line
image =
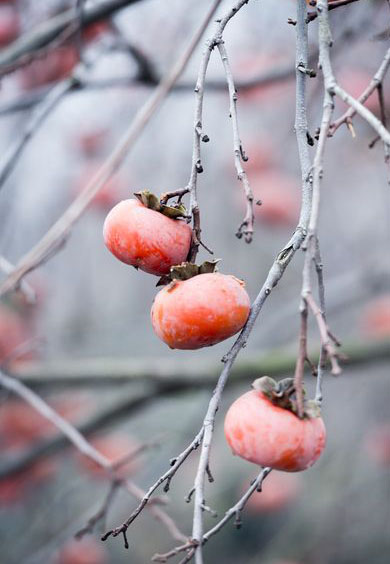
column 55, row 64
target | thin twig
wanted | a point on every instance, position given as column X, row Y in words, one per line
column 234, row 511
column 27, row 290
column 40, row 113
column 23, row 49
column 246, row 226
column 198, row 135
column 375, row 82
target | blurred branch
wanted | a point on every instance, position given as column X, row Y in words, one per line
column 101, row 420
column 40, row 113
column 51, row 241
column 113, row 371
column 27, row 290
column 21, row 50
column 26, row 101
column 73, row 435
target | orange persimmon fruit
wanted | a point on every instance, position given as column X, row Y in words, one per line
column 267, row 434
column 201, row 311
column 145, row 238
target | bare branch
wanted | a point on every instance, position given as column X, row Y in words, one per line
column 79, row 441
column 26, row 289
column 106, row 372
column 40, row 113
column 196, row 165
column 374, row 84
column 246, row 226
column 23, row 49
column 72, row 434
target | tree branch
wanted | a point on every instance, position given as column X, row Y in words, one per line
column 246, row 226
column 21, row 51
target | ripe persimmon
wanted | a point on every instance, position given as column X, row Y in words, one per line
column 279, row 195
column 115, row 448
column 83, row 551
column 55, row 65
column 106, row 197
column 375, row 319
column 267, row 434
column 13, row 332
column 277, row 492
column 9, row 25
column 145, row 238
column 201, row 311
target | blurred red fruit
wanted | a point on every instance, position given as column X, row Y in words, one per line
column 377, row 443
column 95, row 30
column 278, row 490
column 90, row 142
column 15, row 488
column 54, row 66
column 13, row 332
column 84, row 551
column 108, row 195
column 9, row 25
column 279, row 195
column 253, row 66
column 115, row 448
column 21, row 424
column 355, row 81
column 375, row 319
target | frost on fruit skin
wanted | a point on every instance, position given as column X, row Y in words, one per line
column 146, row 239
column 201, row 311
column 269, row 435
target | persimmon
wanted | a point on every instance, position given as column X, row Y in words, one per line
column 107, row 195
column 261, row 431
column 201, row 311
column 250, row 66
column 84, row 551
column 93, row 31
column 90, row 141
column 279, row 194
column 115, row 448
column 55, row 65
column 13, row 331
column 22, row 425
column 278, row 490
column 14, row 489
column 9, row 25
column 355, row 81
column 377, row 443
column 145, row 238
column 375, row 319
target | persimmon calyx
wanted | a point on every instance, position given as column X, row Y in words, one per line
column 281, row 394
column 187, row 270
column 152, row 202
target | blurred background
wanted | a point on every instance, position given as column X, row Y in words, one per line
column 91, row 313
